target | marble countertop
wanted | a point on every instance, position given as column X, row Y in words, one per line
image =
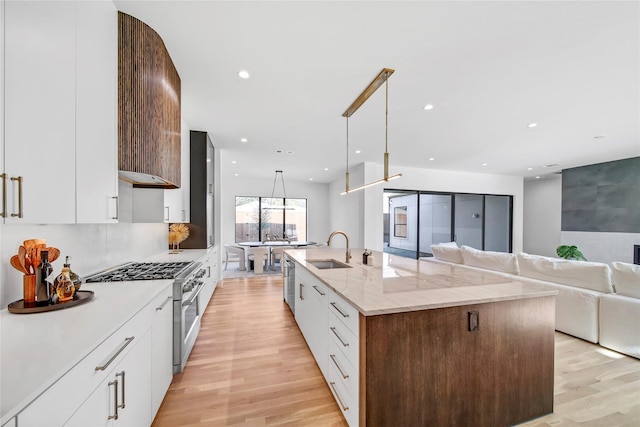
column 395, row 284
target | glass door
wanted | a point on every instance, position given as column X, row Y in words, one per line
column 435, row 221
column 468, row 220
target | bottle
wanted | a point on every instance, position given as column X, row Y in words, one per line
column 64, row 286
column 73, row 276
column 365, row 257
column 43, row 284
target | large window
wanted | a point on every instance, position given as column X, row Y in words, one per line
column 265, row 218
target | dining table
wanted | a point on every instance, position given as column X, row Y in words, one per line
column 264, row 248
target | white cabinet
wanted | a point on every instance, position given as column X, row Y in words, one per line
column 10, row 423
column 161, row 348
column 331, row 328
column 176, row 200
column 123, row 398
column 211, row 263
column 60, row 106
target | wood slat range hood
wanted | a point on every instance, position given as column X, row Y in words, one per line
column 148, row 108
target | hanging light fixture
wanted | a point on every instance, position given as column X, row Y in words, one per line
column 382, row 77
column 273, row 190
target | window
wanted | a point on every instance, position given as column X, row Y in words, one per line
column 400, row 221
column 263, row 218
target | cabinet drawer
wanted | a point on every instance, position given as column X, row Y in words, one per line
column 347, row 374
column 49, row 409
column 344, row 339
column 347, row 404
column 345, row 312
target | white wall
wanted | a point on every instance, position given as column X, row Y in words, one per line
column 366, row 230
column 602, row 247
column 542, row 215
column 92, row 248
column 317, row 196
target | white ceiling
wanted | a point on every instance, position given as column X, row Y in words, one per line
column 489, row 69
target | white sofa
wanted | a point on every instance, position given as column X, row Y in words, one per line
column 620, row 312
column 580, row 284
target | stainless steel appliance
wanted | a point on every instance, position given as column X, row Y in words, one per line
column 187, row 284
column 289, row 277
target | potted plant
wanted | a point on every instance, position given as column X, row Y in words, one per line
column 570, row 252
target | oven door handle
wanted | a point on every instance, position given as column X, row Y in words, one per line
column 194, row 295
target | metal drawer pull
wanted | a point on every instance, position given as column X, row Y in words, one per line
column 333, row 329
column 4, row 195
column 319, row 291
column 335, row 362
column 164, row 303
column 333, row 386
column 301, row 297
column 19, row 179
column 102, row 367
column 339, row 311
column 117, row 207
column 114, row 383
column 121, row 374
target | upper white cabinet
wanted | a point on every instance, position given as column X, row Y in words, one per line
column 60, row 106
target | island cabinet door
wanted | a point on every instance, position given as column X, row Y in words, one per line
column 482, row 365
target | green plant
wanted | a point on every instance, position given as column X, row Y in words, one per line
column 570, row 252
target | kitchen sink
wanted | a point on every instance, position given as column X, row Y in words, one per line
column 324, row 264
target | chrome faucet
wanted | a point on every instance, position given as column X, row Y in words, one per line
column 348, row 254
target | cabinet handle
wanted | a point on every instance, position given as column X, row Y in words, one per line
column 121, row 374
column 335, row 362
column 339, row 311
column 19, row 214
column 114, row 383
column 117, row 207
column 184, row 215
column 167, row 217
column 104, row 366
column 164, row 303
column 301, row 297
column 208, row 271
column 4, row 195
column 318, row 290
column 333, row 386
column 333, row 329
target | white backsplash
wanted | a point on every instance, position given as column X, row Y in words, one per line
column 92, row 248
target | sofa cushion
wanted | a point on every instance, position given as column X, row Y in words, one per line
column 448, row 244
column 497, row 261
column 447, row 253
column 582, row 274
column 626, row 278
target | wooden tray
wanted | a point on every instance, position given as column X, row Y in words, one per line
column 80, row 297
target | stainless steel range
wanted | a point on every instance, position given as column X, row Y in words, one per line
column 187, row 284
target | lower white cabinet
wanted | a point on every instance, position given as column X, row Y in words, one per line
column 161, row 348
column 124, row 397
column 210, row 263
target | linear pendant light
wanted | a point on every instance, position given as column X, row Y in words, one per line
column 382, row 77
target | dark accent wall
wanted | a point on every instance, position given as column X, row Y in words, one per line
column 604, row 197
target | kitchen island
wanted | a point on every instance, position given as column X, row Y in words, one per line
column 407, row 342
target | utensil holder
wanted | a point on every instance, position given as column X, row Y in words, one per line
column 29, row 290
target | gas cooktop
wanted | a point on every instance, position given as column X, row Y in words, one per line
column 141, row 271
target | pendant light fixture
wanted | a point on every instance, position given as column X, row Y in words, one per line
column 273, row 190
column 382, row 77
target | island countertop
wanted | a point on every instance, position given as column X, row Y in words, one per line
column 395, row 284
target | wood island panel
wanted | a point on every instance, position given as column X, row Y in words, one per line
column 425, row 368
column 148, row 104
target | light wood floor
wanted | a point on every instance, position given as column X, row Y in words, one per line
column 251, row 367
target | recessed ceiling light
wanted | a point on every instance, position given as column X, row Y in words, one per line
column 485, row 164
column 432, row 158
column 235, row 174
column 326, row 169
column 428, row 107
column 598, row 137
column 532, row 125
column 529, row 169
column 243, row 74
column 357, row 151
column 538, row 177
column 243, row 140
column 310, row 179
column 234, row 162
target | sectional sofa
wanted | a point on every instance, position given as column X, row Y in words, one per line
column 596, row 302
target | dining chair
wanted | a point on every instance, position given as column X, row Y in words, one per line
column 260, row 258
column 276, row 255
column 234, row 253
